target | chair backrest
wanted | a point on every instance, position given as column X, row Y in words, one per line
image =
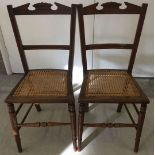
column 111, row 8
column 43, row 9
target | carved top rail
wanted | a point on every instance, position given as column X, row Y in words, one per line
column 113, row 8
column 41, row 9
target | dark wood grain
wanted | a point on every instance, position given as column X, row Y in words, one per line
column 109, row 46
column 14, row 123
column 26, row 114
column 136, row 109
column 40, row 47
column 18, row 38
column 42, row 124
column 82, row 39
column 112, row 8
column 72, row 111
column 137, row 37
column 72, row 48
column 80, row 124
column 142, row 99
column 130, row 115
column 141, row 118
column 42, row 9
column 119, row 108
column 18, row 109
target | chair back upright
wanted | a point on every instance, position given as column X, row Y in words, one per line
column 111, row 8
column 43, row 9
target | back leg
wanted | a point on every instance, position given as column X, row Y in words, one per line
column 87, row 107
column 119, row 108
column 38, row 107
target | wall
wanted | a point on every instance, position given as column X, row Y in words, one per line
column 45, row 32
column 4, row 53
column 121, row 29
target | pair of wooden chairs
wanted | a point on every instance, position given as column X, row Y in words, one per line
column 55, row 86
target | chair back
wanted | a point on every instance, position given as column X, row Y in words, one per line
column 43, row 9
column 111, row 8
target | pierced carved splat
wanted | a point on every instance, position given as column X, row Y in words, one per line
column 112, row 8
column 41, row 8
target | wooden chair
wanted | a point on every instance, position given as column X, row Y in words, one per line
column 111, row 86
column 42, row 86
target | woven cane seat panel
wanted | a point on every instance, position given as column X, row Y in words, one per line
column 110, row 83
column 43, row 83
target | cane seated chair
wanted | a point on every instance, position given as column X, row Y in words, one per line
column 111, row 85
column 42, row 85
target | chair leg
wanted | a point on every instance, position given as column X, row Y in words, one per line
column 87, row 107
column 15, row 130
column 71, row 108
column 82, row 110
column 141, row 118
column 38, row 107
column 119, row 108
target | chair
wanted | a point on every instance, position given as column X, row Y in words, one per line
column 42, row 86
column 111, row 85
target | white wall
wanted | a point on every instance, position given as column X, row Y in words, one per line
column 119, row 29
column 43, row 30
column 48, row 30
column 4, row 54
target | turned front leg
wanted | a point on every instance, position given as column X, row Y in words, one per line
column 82, row 110
column 15, row 130
column 141, row 118
column 71, row 109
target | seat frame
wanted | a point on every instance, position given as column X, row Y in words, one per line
column 111, row 8
column 42, row 9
